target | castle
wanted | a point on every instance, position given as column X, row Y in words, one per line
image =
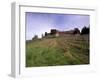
column 56, row 33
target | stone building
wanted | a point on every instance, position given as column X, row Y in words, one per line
column 56, row 33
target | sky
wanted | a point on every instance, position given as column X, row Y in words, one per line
column 39, row 23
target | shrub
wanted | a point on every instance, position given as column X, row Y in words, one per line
column 35, row 37
column 76, row 31
column 85, row 30
column 46, row 33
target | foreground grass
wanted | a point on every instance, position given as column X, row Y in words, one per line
column 57, row 51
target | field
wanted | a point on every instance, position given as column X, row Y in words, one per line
column 62, row 50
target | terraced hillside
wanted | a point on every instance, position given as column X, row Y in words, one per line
column 63, row 50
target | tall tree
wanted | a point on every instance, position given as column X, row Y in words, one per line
column 85, row 30
column 46, row 33
column 76, row 31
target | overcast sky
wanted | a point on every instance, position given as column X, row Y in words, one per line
column 39, row 23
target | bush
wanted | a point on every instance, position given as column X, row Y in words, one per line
column 46, row 33
column 85, row 30
column 76, row 31
column 35, row 37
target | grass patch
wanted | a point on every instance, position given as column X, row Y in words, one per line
column 57, row 51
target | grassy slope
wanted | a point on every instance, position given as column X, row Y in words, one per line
column 67, row 50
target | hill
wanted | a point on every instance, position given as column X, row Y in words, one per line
column 63, row 50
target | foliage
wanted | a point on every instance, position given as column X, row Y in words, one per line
column 76, row 31
column 85, row 30
column 35, row 37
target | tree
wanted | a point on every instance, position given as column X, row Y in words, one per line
column 35, row 37
column 46, row 33
column 85, row 30
column 76, row 31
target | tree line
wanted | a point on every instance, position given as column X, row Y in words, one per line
column 84, row 30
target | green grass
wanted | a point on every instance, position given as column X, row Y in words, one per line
column 57, row 51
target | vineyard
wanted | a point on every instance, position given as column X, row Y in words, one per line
column 63, row 50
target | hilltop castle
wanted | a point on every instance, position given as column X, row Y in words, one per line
column 56, row 33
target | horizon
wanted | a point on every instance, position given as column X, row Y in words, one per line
column 39, row 23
